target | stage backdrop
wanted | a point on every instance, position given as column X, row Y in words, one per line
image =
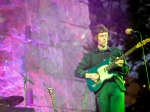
column 41, row 43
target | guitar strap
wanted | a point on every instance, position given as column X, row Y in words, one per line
column 86, row 96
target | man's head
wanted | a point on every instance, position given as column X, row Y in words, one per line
column 99, row 29
column 100, row 34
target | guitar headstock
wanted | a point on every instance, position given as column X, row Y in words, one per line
column 51, row 91
column 143, row 42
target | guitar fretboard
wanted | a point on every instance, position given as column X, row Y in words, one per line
column 109, row 67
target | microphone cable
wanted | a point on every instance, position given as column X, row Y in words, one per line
column 144, row 57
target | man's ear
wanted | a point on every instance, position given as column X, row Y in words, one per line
column 95, row 38
column 109, row 38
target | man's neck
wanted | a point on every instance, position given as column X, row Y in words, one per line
column 103, row 47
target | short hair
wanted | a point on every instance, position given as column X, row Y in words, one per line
column 99, row 29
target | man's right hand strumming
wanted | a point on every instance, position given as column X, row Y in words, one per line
column 92, row 76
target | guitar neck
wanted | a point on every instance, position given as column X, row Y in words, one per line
column 55, row 110
column 54, row 103
column 53, row 99
column 109, row 67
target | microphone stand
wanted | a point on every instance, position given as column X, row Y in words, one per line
column 144, row 57
column 25, row 87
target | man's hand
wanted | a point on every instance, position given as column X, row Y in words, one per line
column 119, row 62
column 92, row 76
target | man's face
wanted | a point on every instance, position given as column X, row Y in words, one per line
column 102, row 39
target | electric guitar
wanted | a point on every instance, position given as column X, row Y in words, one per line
column 51, row 92
column 103, row 69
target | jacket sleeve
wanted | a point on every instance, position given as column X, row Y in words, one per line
column 125, row 69
column 80, row 70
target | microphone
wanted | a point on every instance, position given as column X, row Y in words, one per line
column 130, row 31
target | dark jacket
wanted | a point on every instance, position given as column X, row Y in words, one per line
column 96, row 57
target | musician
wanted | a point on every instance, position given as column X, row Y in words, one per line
column 110, row 96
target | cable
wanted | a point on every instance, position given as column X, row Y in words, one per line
column 144, row 57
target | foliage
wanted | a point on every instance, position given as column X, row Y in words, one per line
column 117, row 18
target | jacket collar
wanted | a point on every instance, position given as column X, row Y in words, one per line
column 107, row 50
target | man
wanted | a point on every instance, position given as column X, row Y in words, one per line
column 110, row 96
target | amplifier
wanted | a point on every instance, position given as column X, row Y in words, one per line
column 15, row 109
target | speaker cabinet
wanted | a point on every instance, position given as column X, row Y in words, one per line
column 15, row 109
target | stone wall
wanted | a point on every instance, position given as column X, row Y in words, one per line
column 43, row 40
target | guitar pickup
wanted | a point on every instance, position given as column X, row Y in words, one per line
column 93, row 85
